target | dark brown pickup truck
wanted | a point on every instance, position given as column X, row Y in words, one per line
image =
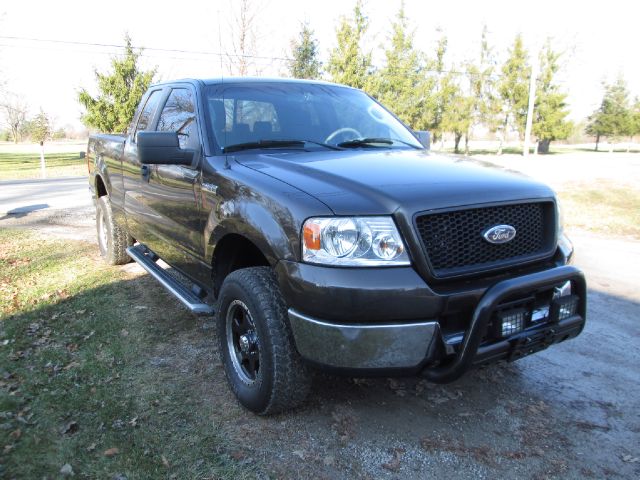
column 322, row 234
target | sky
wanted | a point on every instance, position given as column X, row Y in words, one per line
column 596, row 39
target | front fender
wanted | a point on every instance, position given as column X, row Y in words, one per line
column 275, row 233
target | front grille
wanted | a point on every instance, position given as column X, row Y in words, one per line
column 454, row 243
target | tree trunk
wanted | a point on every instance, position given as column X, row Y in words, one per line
column 543, row 146
column 466, row 145
column 458, row 137
column 503, row 135
column 597, row 141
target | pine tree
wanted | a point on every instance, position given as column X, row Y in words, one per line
column 513, row 89
column 120, row 92
column 401, row 85
column 40, row 127
column 485, row 102
column 445, row 89
column 613, row 118
column 458, row 114
column 550, row 109
column 348, row 64
column 304, row 50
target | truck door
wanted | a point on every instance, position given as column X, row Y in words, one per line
column 170, row 200
column 134, row 174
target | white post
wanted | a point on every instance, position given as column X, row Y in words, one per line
column 532, row 101
column 42, row 165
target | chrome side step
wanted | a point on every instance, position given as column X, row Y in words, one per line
column 147, row 260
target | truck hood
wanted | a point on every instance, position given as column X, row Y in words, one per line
column 360, row 182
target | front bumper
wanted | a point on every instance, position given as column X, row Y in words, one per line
column 420, row 347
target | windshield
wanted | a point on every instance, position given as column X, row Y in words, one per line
column 300, row 115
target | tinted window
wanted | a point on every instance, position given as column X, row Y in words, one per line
column 179, row 115
column 147, row 112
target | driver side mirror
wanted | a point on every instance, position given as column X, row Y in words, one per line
column 162, row 148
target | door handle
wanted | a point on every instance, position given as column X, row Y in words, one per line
column 145, row 170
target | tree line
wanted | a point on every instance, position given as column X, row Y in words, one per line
column 489, row 91
column 427, row 93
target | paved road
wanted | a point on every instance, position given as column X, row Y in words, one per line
column 24, row 196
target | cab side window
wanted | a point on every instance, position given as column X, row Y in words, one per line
column 147, row 112
column 179, row 115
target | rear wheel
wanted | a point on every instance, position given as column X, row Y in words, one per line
column 262, row 366
column 113, row 239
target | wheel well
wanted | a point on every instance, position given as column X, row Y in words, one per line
column 232, row 253
column 101, row 190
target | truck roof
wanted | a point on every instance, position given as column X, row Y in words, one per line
column 237, row 80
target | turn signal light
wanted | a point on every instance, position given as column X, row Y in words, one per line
column 311, row 236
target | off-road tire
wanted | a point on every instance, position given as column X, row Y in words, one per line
column 113, row 244
column 282, row 381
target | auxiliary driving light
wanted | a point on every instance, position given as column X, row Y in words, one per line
column 564, row 307
column 510, row 322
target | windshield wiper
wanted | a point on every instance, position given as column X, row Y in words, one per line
column 372, row 141
column 273, row 144
column 262, row 144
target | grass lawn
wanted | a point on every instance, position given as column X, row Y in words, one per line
column 17, row 166
column 84, row 385
column 602, row 207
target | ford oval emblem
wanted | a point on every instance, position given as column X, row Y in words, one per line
column 499, row 234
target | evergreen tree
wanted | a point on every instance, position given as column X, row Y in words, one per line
column 120, row 92
column 613, row 118
column 550, row 109
column 458, row 114
column 40, row 130
column 485, row 103
column 445, row 89
column 304, row 50
column 402, row 84
column 513, row 89
column 348, row 64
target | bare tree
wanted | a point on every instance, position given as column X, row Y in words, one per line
column 244, row 34
column 14, row 110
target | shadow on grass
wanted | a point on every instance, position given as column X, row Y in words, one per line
column 123, row 366
column 97, row 371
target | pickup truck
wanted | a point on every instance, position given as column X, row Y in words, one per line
column 321, row 234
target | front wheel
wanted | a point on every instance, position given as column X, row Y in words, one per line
column 262, row 366
column 113, row 239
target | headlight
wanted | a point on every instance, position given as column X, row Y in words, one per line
column 353, row 241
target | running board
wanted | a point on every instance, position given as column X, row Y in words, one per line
column 147, row 260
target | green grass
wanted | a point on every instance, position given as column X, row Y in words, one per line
column 602, row 207
column 77, row 374
column 16, row 166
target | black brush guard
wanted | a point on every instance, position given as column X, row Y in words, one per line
column 522, row 343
